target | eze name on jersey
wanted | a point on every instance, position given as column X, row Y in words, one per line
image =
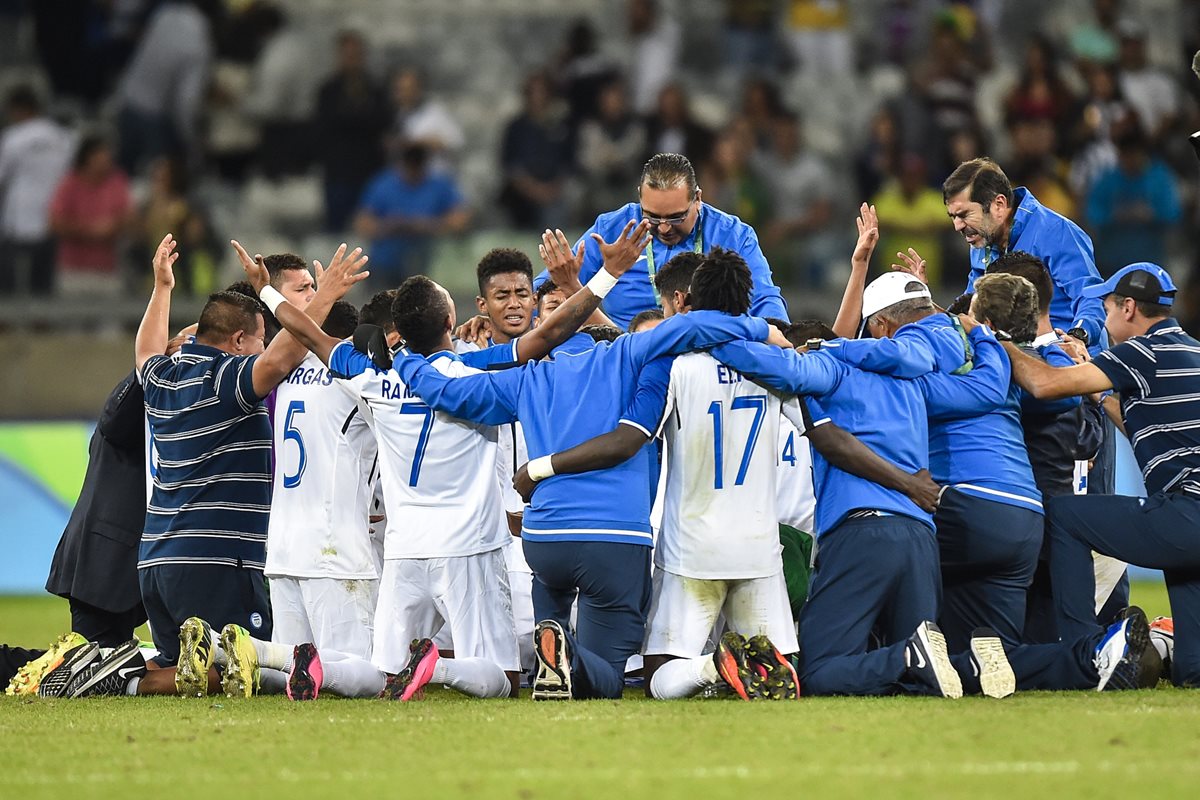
column 728, row 375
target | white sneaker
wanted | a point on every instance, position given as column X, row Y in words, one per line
column 996, row 677
column 929, row 662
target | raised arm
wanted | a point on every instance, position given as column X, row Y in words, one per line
column 154, row 329
column 1073, row 268
column 302, row 331
column 849, row 316
column 1046, row 382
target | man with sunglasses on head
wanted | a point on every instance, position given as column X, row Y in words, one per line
column 671, row 201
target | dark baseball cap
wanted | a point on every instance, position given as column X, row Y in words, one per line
column 1143, row 281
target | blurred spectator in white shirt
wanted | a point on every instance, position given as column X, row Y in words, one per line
column 656, row 41
column 35, row 153
column 423, row 120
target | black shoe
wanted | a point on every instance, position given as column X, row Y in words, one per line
column 996, row 678
column 1121, row 657
column 929, row 662
column 110, row 675
column 76, row 661
column 781, row 681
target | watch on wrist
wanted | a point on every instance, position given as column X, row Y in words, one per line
column 1080, row 334
column 1003, row 336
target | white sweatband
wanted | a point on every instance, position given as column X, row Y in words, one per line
column 271, row 297
column 541, row 468
column 600, row 285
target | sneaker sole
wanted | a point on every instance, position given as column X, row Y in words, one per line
column 1137, row 639
column 422, row 672
column 552, row 682
column 996, row 678
column 73, row 661
column 949, row 684
column 29, row 677
column 116, row 661
column 727, row 667
column 304, row 682
column 191, row 673
column 241, row 668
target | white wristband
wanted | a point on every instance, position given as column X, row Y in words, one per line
column 541, row 468
column 601, row 284
column 271, row 297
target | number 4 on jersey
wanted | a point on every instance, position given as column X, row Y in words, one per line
column 758, row 403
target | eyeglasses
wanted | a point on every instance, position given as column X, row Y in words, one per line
column 676, row 220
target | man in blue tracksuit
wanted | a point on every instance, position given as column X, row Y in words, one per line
column 877, row 569
column 585, row 535
column 990, row 520
column 994, row 219
column 670, row 199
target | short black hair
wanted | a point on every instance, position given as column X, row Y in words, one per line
column 983, row 177
column 501, row 261
column 548, row 287
column 279, row 263
column 419, row 312
column 1032, row 269
column 961, row 304
column 799, row 332
column 271, row 326
column 225, row 314
column 1145, row 307
column 341, row 321
column 643, row 317
column 778, row 322
column 669, row 171
column 602, row 333
column 88, row 146
column 378, row 310
column 676, row 274
column 722, row 283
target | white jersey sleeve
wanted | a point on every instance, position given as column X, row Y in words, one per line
column 720, row 519
column 797, row 501
column 438, row 472
column 325, row 462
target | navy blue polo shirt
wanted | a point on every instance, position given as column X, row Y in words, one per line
column 1158, row 377
column 212, row 491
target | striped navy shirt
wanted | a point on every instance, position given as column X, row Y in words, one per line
column 212, row 490
column 1158, row 376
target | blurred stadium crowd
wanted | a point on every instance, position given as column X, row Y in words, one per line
column 291, row 124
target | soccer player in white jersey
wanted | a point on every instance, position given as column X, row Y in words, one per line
column 320, row 559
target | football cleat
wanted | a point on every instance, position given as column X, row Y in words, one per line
column 195, row 658
column 1119, row 656
column 743, row 676
column 30, row 675
column 408, row 682
column 779, row 679
column 990, row 662
column 553, row 680
column 242, row 676
column 929, row 662
column 1162, row 636
column 75, row 661
column 304, row 681
column 110, row 675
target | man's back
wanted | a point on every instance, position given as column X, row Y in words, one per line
column 720, row 519
column 212, row 487
column 34, row 155
column 325, row 465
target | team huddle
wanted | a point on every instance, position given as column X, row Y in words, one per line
column 635, row 467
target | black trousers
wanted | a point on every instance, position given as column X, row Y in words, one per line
column 105, row 628
column 12, row 659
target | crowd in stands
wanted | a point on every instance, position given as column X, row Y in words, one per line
column 144, row 116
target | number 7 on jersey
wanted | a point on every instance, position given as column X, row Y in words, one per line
column 757, row 402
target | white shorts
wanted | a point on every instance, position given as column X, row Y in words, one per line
column 683, row 612
column 332, row 613
column 468, row 594
column 521, row 586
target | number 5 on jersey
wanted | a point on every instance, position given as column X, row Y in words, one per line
column 758, row 403
column 292, row 433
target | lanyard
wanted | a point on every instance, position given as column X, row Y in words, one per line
column 698, row 248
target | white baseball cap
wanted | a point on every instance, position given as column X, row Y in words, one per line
column 889, row 289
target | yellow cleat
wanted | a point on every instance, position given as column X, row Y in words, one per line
column 195, row 658
column 241, row 678
column 29, row 677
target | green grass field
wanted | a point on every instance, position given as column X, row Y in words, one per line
column 1065, row 745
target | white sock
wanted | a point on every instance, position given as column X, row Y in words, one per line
column 349, row 676
column 271, row 681
column 683, row 677
column 477, row 677
column 214, row 644
column 132, row 686
column 272, row 655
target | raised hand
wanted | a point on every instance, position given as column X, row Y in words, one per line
column 255, row 268
column 623, row 253
column 969, row 323
column 342, row 273
column 164, row 260
column 913, row 264
column 868, row 236
column 562, row 263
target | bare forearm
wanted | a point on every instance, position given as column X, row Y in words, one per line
column 559, row 326
column 601, row 452
column 849, row 315
column 302, row 332
column 154, row 330
column 847, row 453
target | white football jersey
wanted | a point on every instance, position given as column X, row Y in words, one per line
column 438, row 472
column 512, row 454
column 719, row 514
column 325, row 464
column 797, row 498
